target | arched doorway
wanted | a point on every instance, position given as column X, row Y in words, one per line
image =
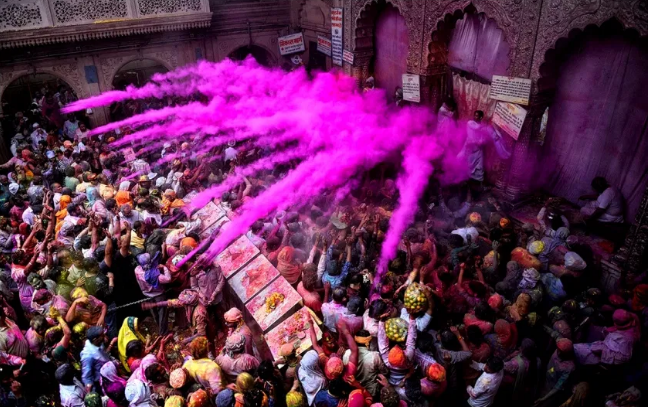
column 471, row 48
column 596, row 82
column 24, row 93
column 137, row 73
column 260, row 54
column 390, row 48
column 35, row 97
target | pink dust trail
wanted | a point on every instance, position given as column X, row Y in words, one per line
column 334, row 131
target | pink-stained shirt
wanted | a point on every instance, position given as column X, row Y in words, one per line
column 147, row 289
column 311, row 299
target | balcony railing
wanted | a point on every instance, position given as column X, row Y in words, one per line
column 34, row 19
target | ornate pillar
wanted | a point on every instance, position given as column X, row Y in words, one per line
column 361, row 64
column 515, row 174
column 632, row 255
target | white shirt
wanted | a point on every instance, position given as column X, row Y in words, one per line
column 611, row 200
column 486, row 387
column 28, row 216
column 421, row 322
column 38, row 135
column 80, row 134
column 463, row 232
column 135, row 215
column 230, row 154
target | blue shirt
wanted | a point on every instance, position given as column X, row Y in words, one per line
column 338, row 280
column 92, row 360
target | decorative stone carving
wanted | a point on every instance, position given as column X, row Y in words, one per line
column 83, row 11
column 413, row 11
column 71, row 75
column 14, row 16
column 108, row 68
column 559, row 17
column 315, row 15
column 154, row 7
column 169, row 58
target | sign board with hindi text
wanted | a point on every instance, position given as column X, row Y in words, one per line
column 349, row 57
column 510, row 118
column 129, row 155
column 337, row 22
column 291, row 44
column 410, row 87
column 514, row 90
column 324, row 45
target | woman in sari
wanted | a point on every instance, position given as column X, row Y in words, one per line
column 311, row 377
column 128, row 332
column 288, row 267
column 113, row 385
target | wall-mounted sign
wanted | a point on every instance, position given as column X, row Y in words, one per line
column 507, row 89
column 349, row 57
column 337, row 22
column 290, row 44
column 324, row 45
column 510, row 118
column 410, row 87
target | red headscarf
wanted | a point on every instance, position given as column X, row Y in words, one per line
column 287, row 267
column 506, row 333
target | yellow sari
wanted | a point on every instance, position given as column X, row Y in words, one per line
column 128, row 332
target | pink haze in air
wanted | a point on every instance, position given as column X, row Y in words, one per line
column 335, row 131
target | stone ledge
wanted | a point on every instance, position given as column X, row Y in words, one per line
column 104, row 29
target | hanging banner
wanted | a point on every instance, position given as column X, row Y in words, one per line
column 349, row 57
column 290, row 44
column 324, row 45
column 507, row 89
column 337, row 21
column 510, row 118
column 410, row 87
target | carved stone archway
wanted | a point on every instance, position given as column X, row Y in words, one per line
column 227, row 46
column 361, row 41
column 548, row 71
column 559, row 18
column 111, row 66
column 68, row 73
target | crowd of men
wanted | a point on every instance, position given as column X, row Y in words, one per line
column 513, row 315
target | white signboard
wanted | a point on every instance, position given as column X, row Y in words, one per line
column 324, row 45
column 337, row 21
column 410, row 87
column 349, row 57
column 509, row 117
column 129, row 155
column 514, row 90
column 290, row 44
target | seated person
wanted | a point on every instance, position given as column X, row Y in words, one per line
column 604, row 211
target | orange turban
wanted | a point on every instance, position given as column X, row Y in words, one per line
column 188, row 241
column 334, row 368
column 397, row 357
column 474, row 217
column 504, row 222
column 436, row 373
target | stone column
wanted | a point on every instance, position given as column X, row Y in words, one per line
column 514, row 181
column 361, row 66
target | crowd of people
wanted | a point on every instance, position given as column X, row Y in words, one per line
column 99, row 276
